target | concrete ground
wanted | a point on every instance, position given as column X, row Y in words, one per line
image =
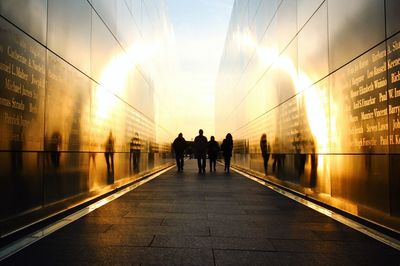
column 205, row 219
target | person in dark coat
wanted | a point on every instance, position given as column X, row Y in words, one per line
column 179, row 146
column 200, row 151
column 109, row 154
column 265, row 151
column 213, row 149
column 226, row 147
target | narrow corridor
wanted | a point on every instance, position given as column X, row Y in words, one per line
column 211, row 219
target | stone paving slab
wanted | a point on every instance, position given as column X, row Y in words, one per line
column 205, row 219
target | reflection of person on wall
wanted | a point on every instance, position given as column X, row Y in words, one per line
column 109, row 154
column 368, row 150
column 54, row 147
column 179, row 146
column 213, row 150
column 276, row 156
column 92, row 158
column 200, row 151
column 151, row 154
column 265, row 151
column 134, row 155
column 300, row 158
column 314, row 165
column 227, row 147
column 17, row 141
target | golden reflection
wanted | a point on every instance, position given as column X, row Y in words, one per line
column 244, row 40
column 115, row 76
column 267, row 56
column 313, row 96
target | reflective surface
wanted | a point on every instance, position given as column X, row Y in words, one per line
column 392, row 19
column 313, row 44
column 22, row 74
column 354, row 29
column 317, row 112
column 305, row 9
column 287, row 21
column 359, row 105
column 84, row 113
column 393, row 63
column 73, row 20
column 103, row 47
column 29, row 15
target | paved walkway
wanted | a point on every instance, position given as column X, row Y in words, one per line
column 212, row 219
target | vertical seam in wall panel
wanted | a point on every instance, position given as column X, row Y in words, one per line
column 316, row 10
column 91, row 82
column 329, row 97
column 43, row 153
column 387, row 108
column 329, row 93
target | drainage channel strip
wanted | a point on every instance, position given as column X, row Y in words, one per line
column 28, row 240
column 394, row 243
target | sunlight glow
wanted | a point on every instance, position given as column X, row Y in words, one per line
column 115, row 76
column 313, row 97
column 267, row 56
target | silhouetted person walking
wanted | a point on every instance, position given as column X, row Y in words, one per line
column 109, row 154
column 179, row 146
column 213, row 149
column 134, row 155
column 226, row 147
column 265, row 151
column 200, row 151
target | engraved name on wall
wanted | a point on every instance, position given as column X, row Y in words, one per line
column 22, row 83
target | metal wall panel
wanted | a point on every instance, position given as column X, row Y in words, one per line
column 20, row 183
column 305, row 9
column 22, row 79
column 393, row 94
column 287, row 73
column 108, row 11
column 359, row 108
column 28, row 15
column 331, row 108
column 265, row 13
column 67, row 106
column 392, row 17
column 349, row 35
column 69, row 27
column 313, row 47
column 287, row 21
column 22, row 76
column 77, row 114
column 362, row 180
column 104, row 49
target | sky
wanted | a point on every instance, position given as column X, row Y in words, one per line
column 200, row 28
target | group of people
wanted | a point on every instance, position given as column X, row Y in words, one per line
column 202, row 148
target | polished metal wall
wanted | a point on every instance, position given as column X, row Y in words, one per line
column 321, row 80
column 82, row 101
